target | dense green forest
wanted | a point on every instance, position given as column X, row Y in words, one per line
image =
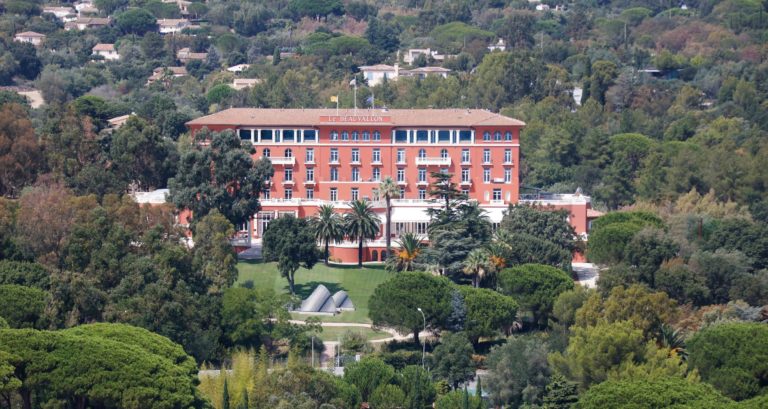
column 658, row 109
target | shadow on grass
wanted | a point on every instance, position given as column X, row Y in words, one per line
column 377, row 266
column 250, row 262
column 303, row 290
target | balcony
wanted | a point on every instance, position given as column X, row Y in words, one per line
column 466, row 183
column 278, row 160
column 422, row 183
column 509, row 163
column 497, row 202
column 434, row 161
column 402, row 183
column 309, row 182
column 334, row 162
column 376, row 163
column 287, row 182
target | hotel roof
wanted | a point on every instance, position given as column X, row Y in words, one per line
column 392, row 117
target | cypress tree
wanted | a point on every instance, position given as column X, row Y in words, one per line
column 225, row 395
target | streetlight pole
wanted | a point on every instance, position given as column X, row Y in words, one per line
column 423, row 342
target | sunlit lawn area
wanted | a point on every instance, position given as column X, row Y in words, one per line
column 358, row 283
column 336, row 333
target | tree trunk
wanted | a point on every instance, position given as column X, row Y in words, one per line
column 26, row 398
column 388, row 228
column 327, row 252
column 416, row 336
column 290, row 283
column 360, row 253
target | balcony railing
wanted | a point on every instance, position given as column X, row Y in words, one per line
column 282, row 160
column 435, row 161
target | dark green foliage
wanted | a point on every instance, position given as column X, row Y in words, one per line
column 612, row 233
column 417, row 384
column 561, row 394
column 518, row 372
column 291, row 242
column 647, row 393
column 316, row 8
column 23, row 273
column 394, row 303
column 368, row 375
column 452, row 359
column 488, row 312
column 535, row 287
column 550, row 225
column 733, row 357
column 457, row 319
column 198, row 188
column 135, row 21
column 23, row 307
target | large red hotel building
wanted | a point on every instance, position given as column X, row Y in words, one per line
column 323, row 156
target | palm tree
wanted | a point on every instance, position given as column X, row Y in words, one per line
column 389, row 189
column 410, row 247
column 477, row 264
column 328, row 226
column 361, row 223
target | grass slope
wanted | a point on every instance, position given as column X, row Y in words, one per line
column 358, row 283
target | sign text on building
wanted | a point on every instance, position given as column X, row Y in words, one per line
column 355, row 118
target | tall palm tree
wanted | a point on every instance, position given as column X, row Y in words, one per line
column 328, row 226
column 410, row 247
column 389, row 189
column 361, row 223
column 477, row 264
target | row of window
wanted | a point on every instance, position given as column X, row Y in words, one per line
column 400, row 136
column 376, row 155
column 421, row 194
column 376, row 175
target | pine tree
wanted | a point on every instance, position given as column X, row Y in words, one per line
column 479, row 393
column 225, row 396
column 466, row 397
column 561, row 393
column 276, row 56
column 457, row 320
column 244, row 401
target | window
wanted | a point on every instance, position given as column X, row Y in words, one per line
column 288, row 174
column 266, row 134
column 444, row 171
column 444, row 154
column 444, row 136
column 422, row 194
column 421, row 228
column 486, row 156
column 402, row 193
column 334, row 155
column 465, row 156
column 507, row 175
column 310, row 175
column 344, row 135
column 496, row 194
column 507, row 155
column 508, row 136
column 310, row 155
column 401, row 175
column 334, row 174
column 354, row 135
column 422, row 136
column 355, row 155
column 422, row 153
column 422, row 175
column 310, row 135
column 465, row 136
column 288, row 194
column 366, row 136
column 486, row 136
column 266, row 153
column 465, row 192
column 265, row 194
column 401, row 136
column 355, row 193
column 401, row 156
column 310, row 194
column 245, row 134
column 375, row 194
column 355, row 174
column 465, row 176
column 334, row 194
column 334, row 135
column 376, row 174
column 377, row 155
column 497, row 136
column 289, row 135
column 376, row 135
column 288, row 153
column 486, row 176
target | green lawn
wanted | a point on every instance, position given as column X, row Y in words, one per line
column 358, row 283
column 336, row 333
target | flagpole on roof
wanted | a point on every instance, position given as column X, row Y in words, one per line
column 353, row 83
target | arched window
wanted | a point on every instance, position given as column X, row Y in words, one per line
column 444, row 153
column 486, row 136
column 422, row 153
column 376, row 135
column 375, row 255
column 508, row 136
column 497, row 136
column 383, row 255
column 366, row 135
column 266, row 153
column 334, row 135
column 354, row 135
column 344, row 135
column 288, row 153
